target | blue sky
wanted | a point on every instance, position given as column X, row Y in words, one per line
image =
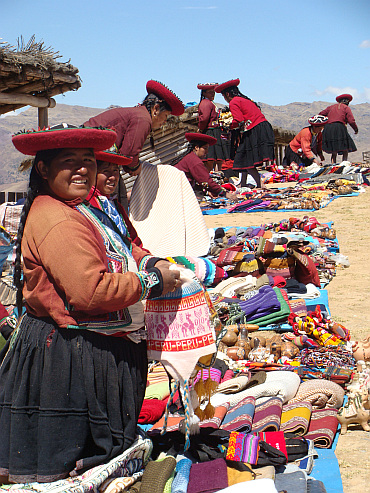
column 283, row 51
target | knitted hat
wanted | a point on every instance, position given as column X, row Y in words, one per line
column 162, row 91
column 63, row 136
column 207, row 85
column 207, row 139
column 226, row 85
column 318, row 120
column 112, row 155
column 344, row 96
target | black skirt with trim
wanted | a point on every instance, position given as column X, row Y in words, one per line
column 221, row 150
column 69, row 400
column 336, row 139
column 256, row 146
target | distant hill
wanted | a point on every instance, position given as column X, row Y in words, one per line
column 292, row 116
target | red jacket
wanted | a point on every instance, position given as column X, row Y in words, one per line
column 132, row 126
column 340, row 112
column 207, row 114
column 196, row 172
column 303, row 141
column 244, row 110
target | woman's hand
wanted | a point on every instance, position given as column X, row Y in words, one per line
column 171, row 277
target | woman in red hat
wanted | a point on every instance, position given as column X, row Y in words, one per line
column 307, row 144
column 104, row 195
column 133, row 125
column 257, row 136
column 336, row 139
column 191, row 163
column 208, row 123
column 73, row 379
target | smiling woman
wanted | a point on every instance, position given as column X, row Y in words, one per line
column 81, row 338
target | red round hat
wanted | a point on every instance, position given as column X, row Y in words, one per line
column 162, row 91
column 225, row 85
column 207, row 139
column 207, row 85
column 344, row 96
column 113, row 156
column 63, row 136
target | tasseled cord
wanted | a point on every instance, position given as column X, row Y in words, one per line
column 190, row 425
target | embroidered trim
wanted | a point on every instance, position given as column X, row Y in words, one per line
column 147, row 280
column 144, row 261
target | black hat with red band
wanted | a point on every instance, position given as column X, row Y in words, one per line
column 63, row 136
column 226, row 85
column 162, row 91
column 207, row 139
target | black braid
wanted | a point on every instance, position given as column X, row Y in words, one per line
column 202, row 96
column 233, row 91
column 35, row 187
column 190, row 148
column 150, row 101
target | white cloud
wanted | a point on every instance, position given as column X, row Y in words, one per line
column 365, row 43
column 335, row 91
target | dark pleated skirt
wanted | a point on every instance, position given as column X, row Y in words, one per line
column 69, row 400
column 221, row 150
column 256, row 146
column 336, row 139
column 291, row 156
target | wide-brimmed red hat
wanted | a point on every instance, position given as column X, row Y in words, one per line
column 63, row 136
column 162, row 91
column 344, row 96
column 225, row 85
column 207, row 85
column 318, row 120
column 207, row 139
column 113, row 156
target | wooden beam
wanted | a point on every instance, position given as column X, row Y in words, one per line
column 25, row 99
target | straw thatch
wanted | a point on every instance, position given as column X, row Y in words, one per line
column 31, row 74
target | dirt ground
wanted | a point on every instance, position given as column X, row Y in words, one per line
column 348, row 301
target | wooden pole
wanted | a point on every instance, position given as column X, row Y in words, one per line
column 43, row 117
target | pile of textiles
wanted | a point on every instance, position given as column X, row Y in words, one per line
column 304, row 196
column 278, row 174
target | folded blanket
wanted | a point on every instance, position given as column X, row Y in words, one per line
column 323, row 426
column 283, row 384
column 295, row 418
column 274, row 317
column 158, row 391
column 233, row 385
column 152, row 410
column 240, row 417
column 320, row 394
column 267, row 415
column 266, row 485
column 156, row 474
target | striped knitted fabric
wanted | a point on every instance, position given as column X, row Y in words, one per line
column 295, row 418
column 156, row 475
column 243, row 447
column 166, row 213
column 323, row 426
column 240, row 417
column 181, row 480
column 267, row 415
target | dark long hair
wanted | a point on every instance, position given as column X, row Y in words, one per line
column 190, row 148
column 35, row 187
column 233, row 91
column 150, row 101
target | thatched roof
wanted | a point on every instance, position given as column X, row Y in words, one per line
column 33, row 70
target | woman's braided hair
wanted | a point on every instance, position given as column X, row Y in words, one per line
column 150, row 101
column 233, row 91
column 35, row 187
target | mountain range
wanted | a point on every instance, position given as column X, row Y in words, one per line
column 292, row 116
